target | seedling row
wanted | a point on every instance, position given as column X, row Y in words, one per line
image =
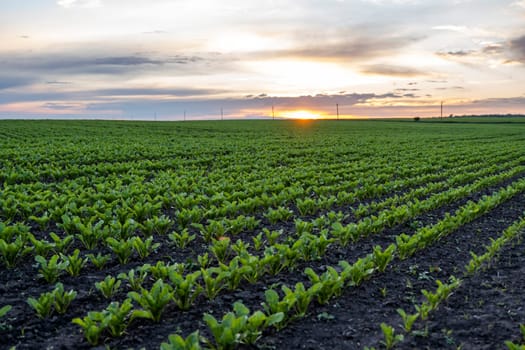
column 220, row 235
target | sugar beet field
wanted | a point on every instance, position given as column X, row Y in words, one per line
column 262, row 234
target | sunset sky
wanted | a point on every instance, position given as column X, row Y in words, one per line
column 374, row 58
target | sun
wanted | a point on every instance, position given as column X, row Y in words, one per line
column 301, row 114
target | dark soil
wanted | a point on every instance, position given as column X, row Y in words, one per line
column 352, row 321
column 348, row 322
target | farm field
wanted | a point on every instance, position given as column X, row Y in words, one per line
column 262, row 234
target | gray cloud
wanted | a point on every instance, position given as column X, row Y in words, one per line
column 125, row 61
column 393, row 70
column 341, row 45
column 458, row 53
column 518, row 47
column 450, row 88
column 210, row 107
column 174, row 92
column 14, row 81
column 63, row 106
column 58, row 82
column 101, row 94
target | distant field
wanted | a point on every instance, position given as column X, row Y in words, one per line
column 262, row 234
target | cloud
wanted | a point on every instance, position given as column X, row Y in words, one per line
column 58, row 82
column 458, row 53
column 518, row 48
column 342, row 45
column 125, row 61
column 68, row 64
column 520, row 3
column 494, row 49
column 79, row 3
column 450, row 88
column 510, row 51
column 156, row 32
column 14, row 81
column 63, row 106
column 393, row 70
column 210, row 107
column 172, row 92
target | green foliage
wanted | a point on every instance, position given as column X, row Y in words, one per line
column 221, row 249
column 52, row 269
column 74, row 263
column 134, row 278
column 157, row 224
column 123, row 249
column 327, row 285
column 4, row 310
column 306, row 206
column 14, row 251
column 153, row 301
column 61, row 244
column 239, row 326
column 358, row 272
column 182, row 239
column 408, row 320
column 345, row 234
column 117, row 317
column 144, row 247
column 214, row 281
column 274, row 305
column 43, row 306
column 186, row 289
column 276, row 215
column 108, row 287
column 41, row 247
column 92, row 325
column 99, row 260
column 176, row 342
column 381, row 258
column 90, row 235
column 390, row 338
column 62, row 298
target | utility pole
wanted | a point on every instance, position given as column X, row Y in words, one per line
column 222, row 114
column 337, row 108
column 184, row 115
column 441, row 109
column 155, row 116
column 273, row 113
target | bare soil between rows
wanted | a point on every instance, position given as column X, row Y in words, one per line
column 348, row 322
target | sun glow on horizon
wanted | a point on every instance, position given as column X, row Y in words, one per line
column 301, row 114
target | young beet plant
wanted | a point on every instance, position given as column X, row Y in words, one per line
column 214, row 281
column 182, row 239
column 408, row 319
column 14, row 251
column 58, row 299
column 43, row 306
column 122, row 248
column 134, row 279
column 99, row 260
column 144, row 247
column 52, row 269
column 186, row 289
column 239, row 327
column 391, row 339
column 74, row 262
column 62, row 298
column 176, row 342
column 108, row 287
column 516, row 346
column 153, row 301
column 115, row 319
